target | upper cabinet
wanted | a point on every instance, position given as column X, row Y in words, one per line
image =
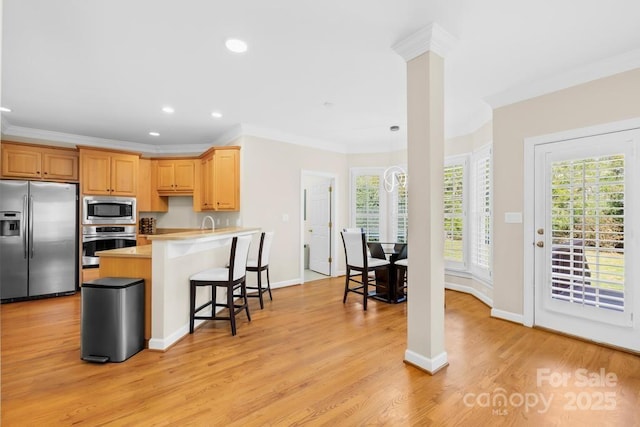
column 109, row 173
column 39, row 162
column 148, row 199
column 220, row 187
column 175, row 176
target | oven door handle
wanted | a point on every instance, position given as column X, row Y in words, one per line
column 88, row 238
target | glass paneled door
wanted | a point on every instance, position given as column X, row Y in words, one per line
column 586, row 237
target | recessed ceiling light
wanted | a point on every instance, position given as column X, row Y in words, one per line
column 236, row 45
column 168, row 110
column 154, row 134
column 5, row 109
column 216, row 115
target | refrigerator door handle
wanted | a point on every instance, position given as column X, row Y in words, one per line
column 31, row 224
column 24, row 227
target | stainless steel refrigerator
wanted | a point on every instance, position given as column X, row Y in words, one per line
column 38, row 239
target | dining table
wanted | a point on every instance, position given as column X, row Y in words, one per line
column 387, row 281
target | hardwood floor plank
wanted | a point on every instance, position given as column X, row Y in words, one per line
column 306, row 359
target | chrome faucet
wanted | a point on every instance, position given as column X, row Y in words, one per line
column 213, row 226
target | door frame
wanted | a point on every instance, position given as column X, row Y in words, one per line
column 332, row 217
column 529, row 206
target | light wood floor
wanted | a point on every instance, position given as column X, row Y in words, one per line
column 307, row 359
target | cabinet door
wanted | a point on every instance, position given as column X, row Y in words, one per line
column 226, row 180
column 21, row 162
column 184, row 175
column 96, row 173
column 207, row 183
column 124, row 175
column 165, row 178
column 60, row 165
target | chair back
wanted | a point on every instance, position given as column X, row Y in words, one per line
column 265, row 248
column 355, row 250
column 376, row 250
column 238, row 257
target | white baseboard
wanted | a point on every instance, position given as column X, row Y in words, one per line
column 286, row 283
column 506, row 315
column 471, row 291
column 432, row 365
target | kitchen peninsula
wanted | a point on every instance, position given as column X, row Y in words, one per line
column 166, row 266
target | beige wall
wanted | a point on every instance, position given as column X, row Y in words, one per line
column 602, row 101
column 271, row 174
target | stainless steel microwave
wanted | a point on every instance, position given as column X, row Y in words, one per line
column 109, row 210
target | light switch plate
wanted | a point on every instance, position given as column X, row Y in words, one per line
column 513, row 217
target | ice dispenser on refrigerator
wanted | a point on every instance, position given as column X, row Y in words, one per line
column 10, row 224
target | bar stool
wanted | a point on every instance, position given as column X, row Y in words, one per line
column 261, row 264
column 232, row 278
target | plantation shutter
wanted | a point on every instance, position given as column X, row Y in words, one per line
column 481, row 213
column 402, row 214
column 588, row 235
column 367, row 205
column 454, row 214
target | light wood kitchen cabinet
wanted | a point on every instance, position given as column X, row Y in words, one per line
column 176, row 176
column 206, row 186
column 39, row 162
column 142, row 240
column 226, row 179
column 109, row 173
column 221, row 179
column 148, row 199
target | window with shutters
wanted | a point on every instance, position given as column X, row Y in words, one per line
column 366, row 204
column 400, row 213
column 383, row 215
column 454, row 200
column 481, row 197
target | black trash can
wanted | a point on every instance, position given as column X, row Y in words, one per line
column 112, row 319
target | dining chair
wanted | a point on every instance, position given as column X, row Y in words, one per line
column 231, row 278
column 260, row 264
column 402, row 266
column 358, row 260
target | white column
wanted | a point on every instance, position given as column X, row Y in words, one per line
column 424, row 52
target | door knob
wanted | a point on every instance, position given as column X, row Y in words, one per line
column 540, row 244
column 541, row 231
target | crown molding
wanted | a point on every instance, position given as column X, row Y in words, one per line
column 24, row 134
column 594, row 71
column 432, row 38
column 69, row 139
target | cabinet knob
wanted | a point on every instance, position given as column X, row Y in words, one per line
column 46, row 173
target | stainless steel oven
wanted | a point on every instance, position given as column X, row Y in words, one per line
column 97, row 238
column 108, row 210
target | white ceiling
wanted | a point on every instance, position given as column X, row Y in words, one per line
column 105, row 68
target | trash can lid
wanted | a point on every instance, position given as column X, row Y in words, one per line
column 112, row 282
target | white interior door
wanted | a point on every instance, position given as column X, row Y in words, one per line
column 586, row 237
column 319, row 212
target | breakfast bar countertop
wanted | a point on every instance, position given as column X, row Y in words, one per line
column 132, row 252
column 198, row 233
